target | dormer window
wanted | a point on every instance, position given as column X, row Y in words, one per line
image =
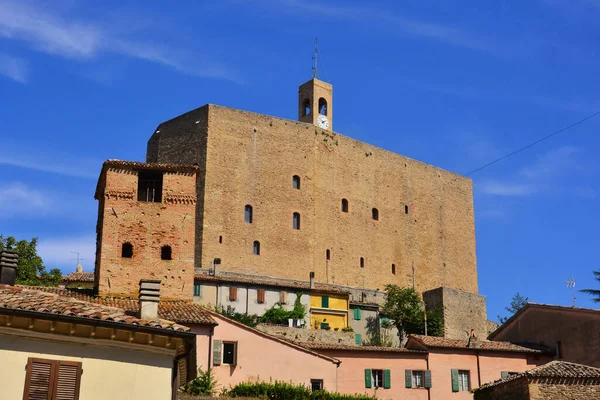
column 150, row 186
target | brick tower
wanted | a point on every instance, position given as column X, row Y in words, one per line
column 315, row 104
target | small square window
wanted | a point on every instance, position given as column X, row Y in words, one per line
column 230, row 353
column 316, row 384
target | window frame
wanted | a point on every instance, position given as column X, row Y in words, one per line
column 462, row 373
column 374, row 378
column 421, row 374
column 317, row 381
column 234, row 355
column 150, row 180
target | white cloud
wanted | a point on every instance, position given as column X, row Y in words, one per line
column 497, row 188
column 47, row 162
column 554, row 163
column 16, row 198
column 50, row 33
column 14, row 68
column 58, row 252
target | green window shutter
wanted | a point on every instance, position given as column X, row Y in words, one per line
column 357, row 312
column 387, row 379
column 368, row 378
column 325, row 301
column 408, row 378
column 217, row 352
column 357, row 338
column 196, row 289
column 504, row 374
column 454, row 373
column 428, row 379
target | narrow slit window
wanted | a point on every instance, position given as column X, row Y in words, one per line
column 296, row 221
column 328, row 254
column 150, row 186
column 248, row 214
column 344, row 205
column 393, row 269
column 362, row 262
column 406, row 209
column 375, row 214
column 165, row 253
column 126, row 250
column 296, row 182
column 220, row 239
column 256, row 248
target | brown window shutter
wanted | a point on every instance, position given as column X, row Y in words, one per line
column 39, row 379
column 283, row 297
column 232, row 293
column 260, row 295
column 67, row 381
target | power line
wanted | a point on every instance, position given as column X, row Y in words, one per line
column 512, row 153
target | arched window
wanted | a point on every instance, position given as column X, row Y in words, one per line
column 165, row 253
column 248, row 214
column 328, row 254
column 126, row 250
column 322, row 106
column 296, row 221
column 394, row 269
column 306, row 107
column 362, row 262
column 256, row 248
column 296, row 182
column 375, row 214
column 344, row 205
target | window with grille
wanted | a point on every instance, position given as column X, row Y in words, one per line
column 316, row 384
column 52, row 380
column 150, row 186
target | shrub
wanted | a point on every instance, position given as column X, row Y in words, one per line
column 277, row 315
column 286, row 391
column 204, row 384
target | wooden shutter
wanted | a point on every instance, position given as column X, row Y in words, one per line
column 217, row 352
column 387, row 379
column 67, row 380
column 408, row 378
column 357, row 338
column 39, row 379
column 324, row 301
column 454, row 373
column 283, row 297
column 428, row 379
column 368, row 378
column 357, row 312
column 504, row 374
column 196, row 289
column 260, row 296
column 232, row 293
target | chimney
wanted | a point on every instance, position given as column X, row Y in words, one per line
column 312, row 280
column 472, row 339
column 149, row 296
column 79, row 268
column 8, row 267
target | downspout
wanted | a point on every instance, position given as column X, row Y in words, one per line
column 478, row 369
column 247, row 295
column 427, row 366
column 210, row 336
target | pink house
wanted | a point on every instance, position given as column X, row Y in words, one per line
column 238, row 353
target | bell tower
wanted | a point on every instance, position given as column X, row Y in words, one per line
column 315, row 97
column 315, row 103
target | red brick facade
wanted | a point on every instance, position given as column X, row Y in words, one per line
column 150, row 227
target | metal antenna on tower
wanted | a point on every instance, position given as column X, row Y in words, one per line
column 571, row 284
column 315, row 59
column 78, row 258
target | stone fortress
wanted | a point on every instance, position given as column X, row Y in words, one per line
column 279, row 199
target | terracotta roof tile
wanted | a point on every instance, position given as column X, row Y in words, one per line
column 79, row 277
column 554, row 370
column 329, row 346
column 280, row 283
column 144, row 165
column 182, row 312
column 440, row 342
column 19, row 298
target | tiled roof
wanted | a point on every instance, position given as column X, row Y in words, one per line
column 182, row 312
column 329, row 346
column 18, row 298
column 543, row 307
column 274, row 282
column 79, row 277
column 144, row 165
column 554, row 370
column 440, row 342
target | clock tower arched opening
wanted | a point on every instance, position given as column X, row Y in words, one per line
column 315, row 103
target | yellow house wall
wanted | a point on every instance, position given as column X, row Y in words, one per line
column 108, row 373
column 336, row 302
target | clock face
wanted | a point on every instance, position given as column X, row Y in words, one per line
column 323, row 122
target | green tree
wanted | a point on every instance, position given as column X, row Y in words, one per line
column 594, row 292
column 204, row 384
column 31, row 269
column 404, row 308
column 516, row 304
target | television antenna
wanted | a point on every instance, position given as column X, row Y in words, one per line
column 571, row 284
column 78, row 257
column 315, row 60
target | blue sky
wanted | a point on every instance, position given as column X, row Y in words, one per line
column 455, row 85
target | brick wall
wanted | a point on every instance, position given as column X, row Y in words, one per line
column 147, row 226
column 248, row 158
column 517, row 389
column 557, row 391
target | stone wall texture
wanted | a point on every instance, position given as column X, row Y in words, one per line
column 148, row 227
column 517, row 389
column 309, row 335
column 547, row 391
column 461, row 311
column 425, row 213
